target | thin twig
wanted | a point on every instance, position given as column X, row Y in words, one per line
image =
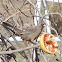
column 19, row 50
column 13, row 15
column 3, row 58
column 25, row 14
column 34, row 7
column 44, row 56
column 52, row 29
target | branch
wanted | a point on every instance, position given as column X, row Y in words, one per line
column 44, row 56
column 3, row 59
column 52, row 29
column 19, row 50
column 13, row 15
column 34, row 7
column 24, row 14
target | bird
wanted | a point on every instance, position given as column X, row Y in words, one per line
column 28, row 34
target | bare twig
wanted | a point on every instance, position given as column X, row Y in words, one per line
column 12, row 5
column 53, row 29
column 19, row 50
column 25, row 14
column 13, row 15
column 34, row 7
column 2, row 58
column 44, row 56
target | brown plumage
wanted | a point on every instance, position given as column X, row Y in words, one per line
column 28, row 34
column 34, row 33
